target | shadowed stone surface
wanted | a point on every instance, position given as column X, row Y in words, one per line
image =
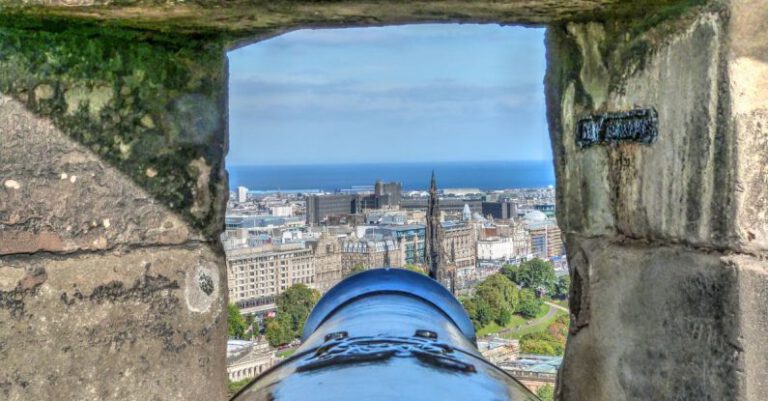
column 70, row 199
column 112, row 326
column 663, row 324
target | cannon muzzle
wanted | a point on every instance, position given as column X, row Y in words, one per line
column 386, row 334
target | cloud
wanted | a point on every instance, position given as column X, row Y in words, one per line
column 279, row 97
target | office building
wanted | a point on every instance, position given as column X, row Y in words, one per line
column 242, row 194
column 502, row 210
column 321, row 209
column 257, row 275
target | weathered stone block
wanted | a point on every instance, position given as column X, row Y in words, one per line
column 150, row 107
column 144, row 325
column 60, row 197
column 663, row 323
column 702, row 181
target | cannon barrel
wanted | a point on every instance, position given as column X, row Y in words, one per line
column 386, row 334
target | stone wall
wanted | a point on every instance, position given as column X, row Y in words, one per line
column 112, row 191
column 666, row 241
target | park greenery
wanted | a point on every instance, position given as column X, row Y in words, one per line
column 516, row 294
column 546, row 392
column 234, row 387
column 538, row 275
column 549, row 342
column 236, row 325
column 293, row 307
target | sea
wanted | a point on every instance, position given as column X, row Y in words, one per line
column 484, row 175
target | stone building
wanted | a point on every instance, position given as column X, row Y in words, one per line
column 257, row 275
column 370, row 253
column 248, row 359
column 326, row 254
column 459, row 246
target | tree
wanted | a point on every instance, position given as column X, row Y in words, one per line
column 529, row 305
column 235, row 323
column 562, row 286
column 510, row 272
column 495, row 300
column 546, row 392
column 278, row 330
column 535, row 274
column 296, row 303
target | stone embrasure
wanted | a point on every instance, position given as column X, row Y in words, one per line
column 142, row 103
column 245, row 19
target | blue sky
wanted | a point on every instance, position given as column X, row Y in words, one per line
column 435, row 92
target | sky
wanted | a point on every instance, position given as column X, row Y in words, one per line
column 411, row 93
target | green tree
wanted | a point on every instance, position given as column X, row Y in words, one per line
column 296, row 302
column 235, row 323
column 278, row 330
column 562, row 286
column 510, row 272
column 495, row 300
column 535, row 274
column 529, row 305
column 546, row 392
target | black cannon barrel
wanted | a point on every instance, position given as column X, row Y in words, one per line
column 386, row 334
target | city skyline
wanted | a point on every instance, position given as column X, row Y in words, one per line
column 432, row 93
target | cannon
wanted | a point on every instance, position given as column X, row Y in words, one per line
column 386, row 334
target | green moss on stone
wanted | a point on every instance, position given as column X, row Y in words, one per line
column 99, row 87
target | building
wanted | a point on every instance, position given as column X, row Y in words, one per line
column 326, row 251
column 261, row 223
column 459, row 245
column 242, row 194
column 498, row 350
column 495, row 249
column 281, row 211
column 370, row 253
column 502, row 210
column 322, row 208
column 545, row 235
column 410, row 239
column 257, row 275
column 388, row 194
column 386, row 217
column 248, row 359
column 452, row 206
column 533, row 371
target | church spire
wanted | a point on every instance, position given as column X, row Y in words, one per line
column 433, row 251
column 433, row 184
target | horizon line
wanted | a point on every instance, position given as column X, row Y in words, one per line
column 383, row 162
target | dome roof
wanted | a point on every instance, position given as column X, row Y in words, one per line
column 535, row 215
